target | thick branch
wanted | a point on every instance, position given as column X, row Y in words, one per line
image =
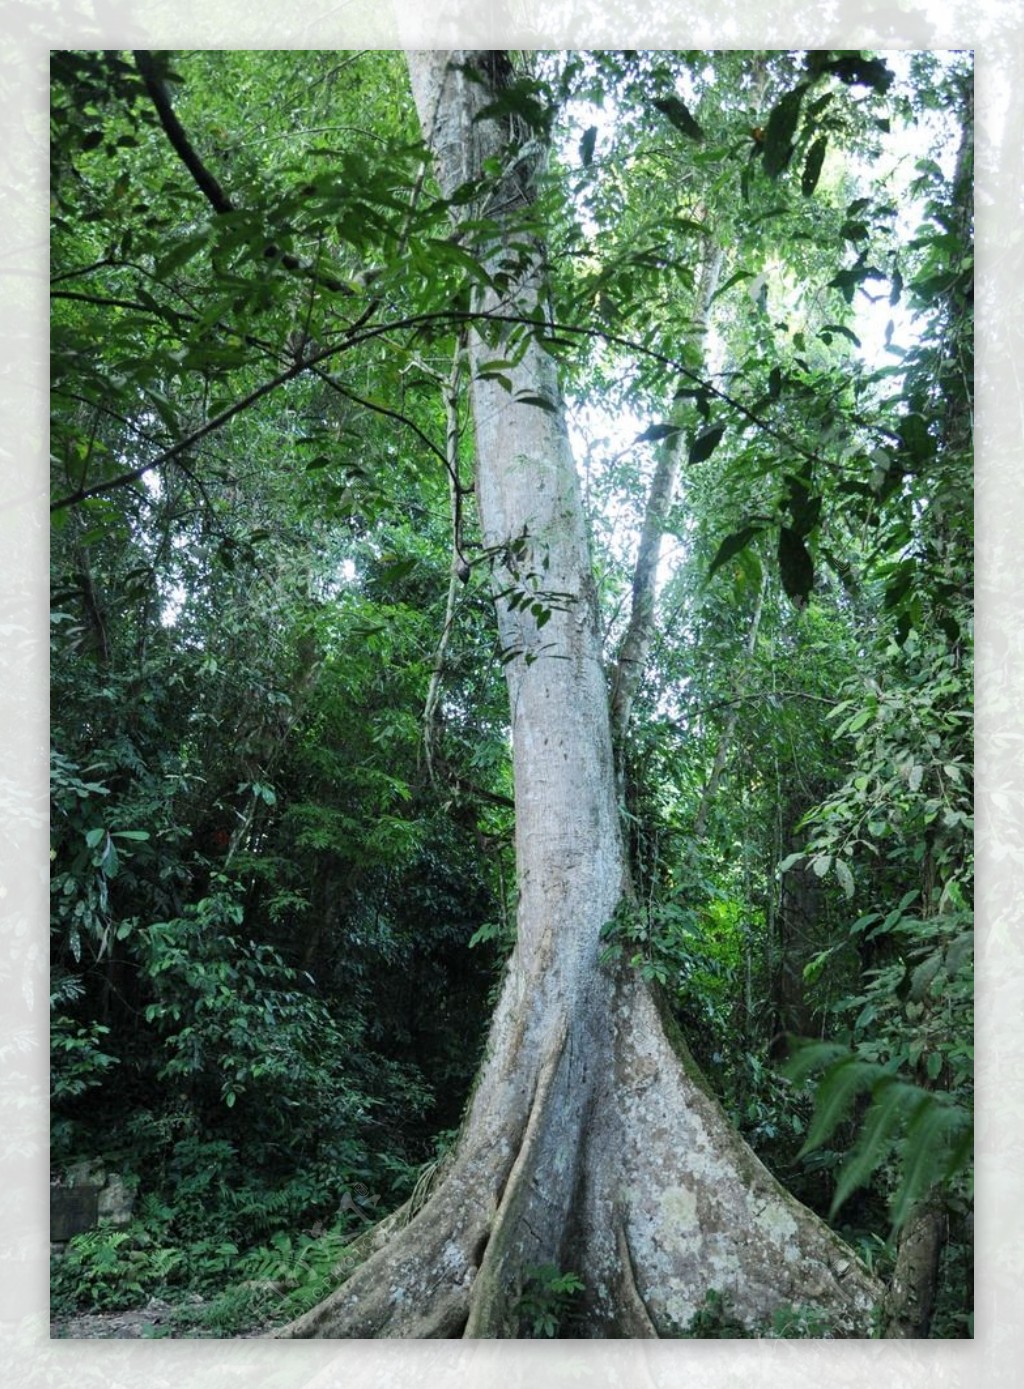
column 205, row 181
column 211, row 189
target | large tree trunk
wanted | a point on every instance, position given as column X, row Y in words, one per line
column 589, row 1142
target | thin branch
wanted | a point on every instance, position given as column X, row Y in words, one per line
column 83, row 270
column 168, row 455
column 379, row 409
column 635, row 645
column 766, row 694
column 103, row 301
column 417, row 323
column 722, row 751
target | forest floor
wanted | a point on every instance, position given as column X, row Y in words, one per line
column 157, row 1319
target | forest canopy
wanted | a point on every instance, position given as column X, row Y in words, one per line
column 308, row 359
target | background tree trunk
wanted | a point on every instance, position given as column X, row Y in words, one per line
column 590, row 1142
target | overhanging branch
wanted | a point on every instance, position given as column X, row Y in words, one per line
column 417, row 322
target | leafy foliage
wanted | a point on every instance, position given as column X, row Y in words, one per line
column 546, row 1301
column 266, row 879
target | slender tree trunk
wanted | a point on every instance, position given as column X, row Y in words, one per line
column 725, row 741
column 635, row 646
column 589, row 1142
column 911, row 1296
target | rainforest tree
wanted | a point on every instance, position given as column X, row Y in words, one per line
column 590, row 1143
column 434, row 299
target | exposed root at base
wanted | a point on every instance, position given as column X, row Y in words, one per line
column 636, row 1320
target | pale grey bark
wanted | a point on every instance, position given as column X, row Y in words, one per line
column 589, row 1142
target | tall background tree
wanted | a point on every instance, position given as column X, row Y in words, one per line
column 271, row 580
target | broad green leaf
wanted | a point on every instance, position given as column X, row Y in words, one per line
column 180, row 254
column 678, row 113
column 813, row 1056
column 779, row 132
column 845, row 877
column 732, row 545
column 705, row 443
column 804, row 509
column 109, row 862
column 931, row 1139
column 856, row 70
column 656, row 432
column 916, row 438
column 812, row 166
column 826, row 333
column 796, row 568
column 540, row 401
column 734, row 279
column 890, row 1101
column 391, row 573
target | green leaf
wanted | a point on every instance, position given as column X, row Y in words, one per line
column 812, row 166
column 889, row 1103
column 587, row 146
column 520, row 99
column 178, row 255
column 804, row 509
column 845, row 877
column 109, row 862
column 928, row 1150
column 732, row 280
column 856, row 70
column 830, row 328
column 678, row 113
column 779, row 132
column 656, row 432
column 813, row 1056
column 860, row 720
column 796, row 567
column 705, row 443
column 916, row 439
column 391, row 573
column 732, row 545
column 837, row 1090
column 540, row 401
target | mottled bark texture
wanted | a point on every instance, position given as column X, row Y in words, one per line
column 589, row 1142
column 911, row 1297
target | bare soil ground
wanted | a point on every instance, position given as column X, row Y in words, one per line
column 157, row 1319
